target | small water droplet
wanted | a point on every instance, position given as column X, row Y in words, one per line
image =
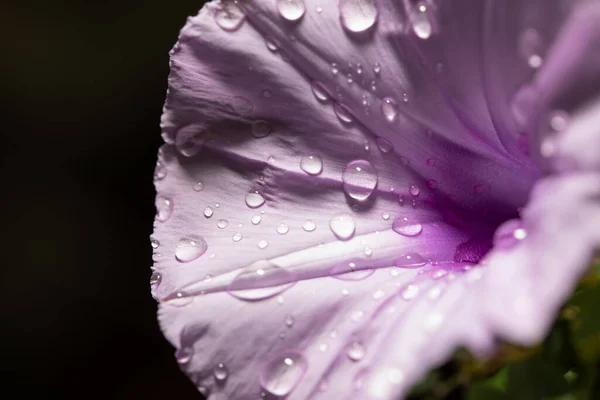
column 190, row 248
column 282, row 229
column 198, row 186
column 254, row 200
column 183, row 355
column 229, row 16
column 432, row 184
column 406, row 226
column 384, row 145
column 355, row 351
column 389, row 109
column 222, row 223
column 377, row 68
column 414, row 190
column 309, row 226
column 357, row 15
column 155, row 279
column 280, row 375
column 530, row 47
column 256, row 219
column 357, row 315
column 291, row 10
column 181, row 299
column 349, row 272
column 319, row 9
column 164, row 208
column 367, row 251
column 342, row 226
column 343, row 113
column 262, row 244
column 159, row 171
column 221, row 372
column 156, row 256
column 261, row 129
column 312, row 165
column 208, row 212
column 421, row 23
column 360, row 179
column 289, row 320
column 410, row 292
column 319, row 91
column 271, row 45
column 260, row 280
column 410, row 260
column 431, row 162
column 385, row 215
column 509, row 234
column 237, row 237
column 154, row 243
column 334, row 69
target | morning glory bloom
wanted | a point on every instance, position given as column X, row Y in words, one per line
column 350, row 190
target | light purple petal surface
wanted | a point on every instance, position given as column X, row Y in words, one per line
column 243, row 201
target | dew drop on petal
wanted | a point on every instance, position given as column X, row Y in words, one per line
column 359, row 179
column 291, row 10
column 198, row 186
column 155, row 279
column 509, row 234
column 222, row 224
column 414, row 190
column 154, row 243
column 260, row 280
column 312, row 165
column 184, row 355
column 190, row 248
column 389, row 109
column 334, row 69
column 355, row 351
column 189, row 140
column 229, row 17
column 282, row 229
column 319, row 91
column 377, row 68
column 261, row 129
column 159, row 171
column 181, row 299
column 208, row 212
column 410, row 260
column 343, row 113
column 384, row 145
column 280, row 375
column 357, row 15
column 410, row 292
column 256, row 219
column 289, row 320
column 309, row 226
column 349, row 272
column 431, row 162
column 385, row 215
column 254, row 200
column 406, row 226
column 237, row 237
column 164, row 208
column 221, row 372
column 271, row 45
column 342, row 226
column 262, row 244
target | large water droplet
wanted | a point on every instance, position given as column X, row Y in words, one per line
column 261, row 129
column 255, row 219
column 421, row 24
column 254, row 200
column 208, row 212
column 164, row 208
column 319, row 91
column 342, row 226
column 309, row 226
column 190, row 248
column 229, row 17
column 358, row 15
column 260, row 280
column 221, row 372
column 389, row 109
column 198, row 186
column 407, row 226
column 410, row 260
column 360, row 179
column 312, row 165
column 281, row 374
column 189, row 140
column 355, row 351
column 343, row 113
column 414, row 190
column 292, row 10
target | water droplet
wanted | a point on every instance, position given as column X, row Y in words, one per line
column 282, row 229
column 357, row 315
column 334, row 69
column 410, row 260
column 156, row 256
column 360, row 179
column 184, row 355
column 198, row 186
column 384, row 145
column 385, row 215
column 292, row 10
column 254, row 200
column 421, row 24
column 358, row 15
column 389, row 109
column 342, row 226
column 229, row 16
column 271, row 45
column 242, row 106
column 309, row 226
column 262, row 244
column 289, row 320
column 237, row 237
column 155, row 279
column 377, row 68
column 281, row 374
column 414, row 190
column 221, row 372
column 154, row 243
column 181, row 299
column 355, row 351
column 164, row 208
column 189, row 140
column 312, row 165
column 367, row 251
column 319, row 91
column 431, row 162
column 558, row 120
column 509, row 234
column 530, row 46
column 260, row 280
column 255, row 219
column 208, row 212
column 432, row 184
column 159, row 171
column 406, row 226
column 222, row 224
column 190, row 248
column 349, row 272
column 410, row 292
column 261, row 129
column 343, row 113
column 378, row 295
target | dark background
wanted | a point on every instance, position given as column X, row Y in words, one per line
column 82, row 88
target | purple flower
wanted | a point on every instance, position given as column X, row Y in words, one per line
column 350, row 190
